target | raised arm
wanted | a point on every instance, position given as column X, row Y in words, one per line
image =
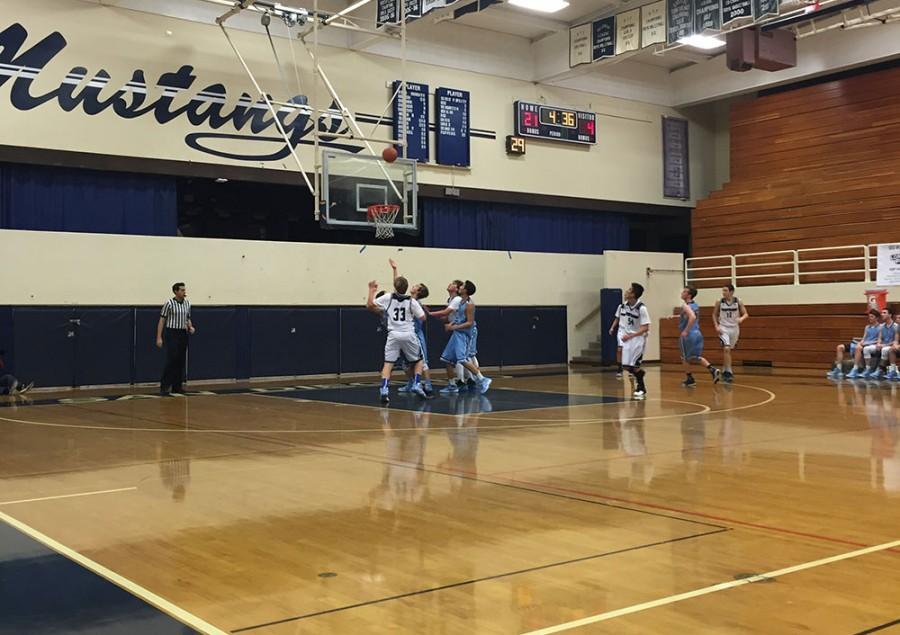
column 393, row 268
column 370, row 301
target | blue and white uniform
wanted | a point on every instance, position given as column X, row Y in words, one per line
column 457, row 349
column 401, row 312
column 870, row 340
column 729, row 316
column 631, row 319
column 692, row 343
column 888, row 333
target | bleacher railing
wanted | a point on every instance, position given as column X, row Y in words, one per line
column 847, row 263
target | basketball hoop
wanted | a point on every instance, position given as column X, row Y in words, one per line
column 383, row 217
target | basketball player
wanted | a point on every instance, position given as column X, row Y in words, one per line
column 634, row 319
column 889, row 330
column 871, row 349
column 400, row 310
column 418, row 292
column 870, row 339
column 619, row 330
column 457, row 349
column 728, row 315
column 453, row 304
column 691, row 340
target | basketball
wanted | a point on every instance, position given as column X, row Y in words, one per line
column 389, row 154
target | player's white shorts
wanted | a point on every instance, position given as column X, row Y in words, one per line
column 729, row 336
column 619, row 335
column 633, row 351
column 404, row 343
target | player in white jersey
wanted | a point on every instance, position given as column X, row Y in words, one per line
column 418, row 292
column 634, row 319
column 400, row 311
column 728, row 315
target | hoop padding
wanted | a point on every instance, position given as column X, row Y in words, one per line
column 383, row 217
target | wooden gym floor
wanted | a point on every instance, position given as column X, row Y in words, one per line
column 553, row 504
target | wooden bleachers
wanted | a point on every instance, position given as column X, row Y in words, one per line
column 814, row 167
column 783, row 336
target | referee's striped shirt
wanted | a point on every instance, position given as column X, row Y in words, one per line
column 176, row 313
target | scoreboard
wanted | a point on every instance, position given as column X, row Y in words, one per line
column 555, row 124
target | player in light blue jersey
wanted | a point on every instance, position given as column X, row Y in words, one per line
column 419, row 292
column 691, row 339
column 871, row 337
column 457, row 349
column 453, row 303
column 885, row 347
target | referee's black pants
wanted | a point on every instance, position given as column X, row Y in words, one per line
column 176, row 341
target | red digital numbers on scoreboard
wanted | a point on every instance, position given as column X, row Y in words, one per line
column 557, row 124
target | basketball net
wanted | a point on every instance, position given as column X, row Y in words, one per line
column 383, row 217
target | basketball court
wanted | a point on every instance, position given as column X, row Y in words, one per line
column 552, row 503
column 606, row 178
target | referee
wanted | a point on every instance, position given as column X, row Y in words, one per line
column 173, row 329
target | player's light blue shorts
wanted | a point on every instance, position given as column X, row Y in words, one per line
column 692, row 345
column 457, row 349
column 473, row 343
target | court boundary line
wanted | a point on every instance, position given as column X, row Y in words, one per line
column 880, row 627
column 452, row 585
column 63, row 496
column 151, row 598
column 715, row 588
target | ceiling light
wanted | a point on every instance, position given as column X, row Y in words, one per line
column 221, row 180
column 705, row 42
column 544, row 6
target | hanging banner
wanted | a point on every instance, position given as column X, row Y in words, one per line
column 676, row 162
column 580, row 45
column 628, row 31
column 431, row 5
column 763, row 9
column 653, row 23
column 604, row 38
column 737, row 12
column 679, row 20
column 888, row 265
column 707, row 16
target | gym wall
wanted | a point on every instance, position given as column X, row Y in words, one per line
column 297, row 304
column 53, row 37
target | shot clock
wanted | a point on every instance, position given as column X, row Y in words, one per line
column 555, row 124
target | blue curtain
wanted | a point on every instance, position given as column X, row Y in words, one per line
column 459, row 224
column 74, row 200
